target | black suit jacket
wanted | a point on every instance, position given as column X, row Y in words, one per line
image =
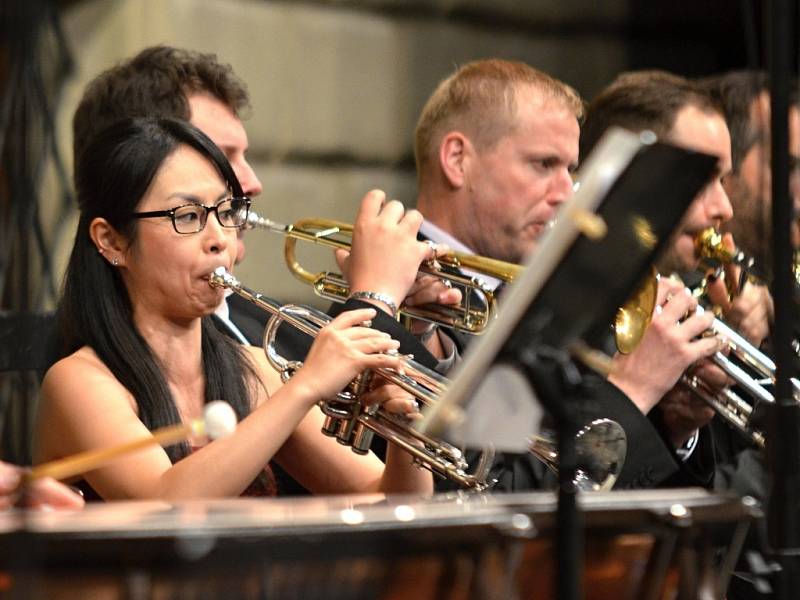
column 650, row 461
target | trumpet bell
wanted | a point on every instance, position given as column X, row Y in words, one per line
column 634, row 316
column 600, row 448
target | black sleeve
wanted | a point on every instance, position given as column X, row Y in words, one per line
column 648, row 462
column 382, row 321
column 698, row 469
column 510, row 472
column 740, row 466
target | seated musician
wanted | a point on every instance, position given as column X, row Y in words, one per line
column 197, row 87
column 682, row 113
column 745, row 99
column 45, row 493
column 144, row 353
column 495, row 148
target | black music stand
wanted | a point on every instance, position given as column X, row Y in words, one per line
column 633, row 193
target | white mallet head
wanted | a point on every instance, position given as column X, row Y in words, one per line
column 219, row 419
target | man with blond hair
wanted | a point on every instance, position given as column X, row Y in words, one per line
column 495, row 147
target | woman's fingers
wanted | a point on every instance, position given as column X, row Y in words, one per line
column 393, row 399
column 351, row 318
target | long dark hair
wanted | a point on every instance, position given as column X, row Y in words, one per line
column 112, row 174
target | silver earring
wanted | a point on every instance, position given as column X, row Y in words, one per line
column 115, row 262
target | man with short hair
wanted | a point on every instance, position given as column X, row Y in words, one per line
column 682, row 112
column 495, row 147
column 745, row 100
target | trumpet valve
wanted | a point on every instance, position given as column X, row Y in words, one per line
column 362, row 439
column 330, row 426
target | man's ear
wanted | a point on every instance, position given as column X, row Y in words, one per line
column 454, row 151
column 109, row 242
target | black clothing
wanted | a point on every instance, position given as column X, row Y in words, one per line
column 650, row 459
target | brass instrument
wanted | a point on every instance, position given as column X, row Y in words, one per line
column 601, row 443
column 713, row 254
column 600, row 447
column 796, row 269
column 347, row 420
column 731, row 406
column 634, row 316
column 473, row 315
column 709, row 248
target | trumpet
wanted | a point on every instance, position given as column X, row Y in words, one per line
column 712, row 253
column 601, row 444
column 756, row 372
column 346, row 419
column 479, row 303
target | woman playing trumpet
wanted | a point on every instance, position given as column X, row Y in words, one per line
column 142, row 352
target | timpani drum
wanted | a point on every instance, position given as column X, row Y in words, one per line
column 648, row 544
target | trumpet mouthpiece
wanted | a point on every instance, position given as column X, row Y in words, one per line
column 256, row 221
column 220, row 277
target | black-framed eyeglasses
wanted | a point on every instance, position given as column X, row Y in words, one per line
column 191, row 218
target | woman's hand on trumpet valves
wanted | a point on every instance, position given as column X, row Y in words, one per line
column 670, row 345
column 746, row 306
column 393, row 399
column 343, row 350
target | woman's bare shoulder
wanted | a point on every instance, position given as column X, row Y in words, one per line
column 81, row 402
column 82, row 374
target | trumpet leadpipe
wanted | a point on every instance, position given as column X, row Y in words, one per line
column 473, row 315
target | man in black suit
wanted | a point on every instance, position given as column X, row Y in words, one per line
column 495, row 148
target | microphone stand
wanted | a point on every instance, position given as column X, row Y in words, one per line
column 783, row 446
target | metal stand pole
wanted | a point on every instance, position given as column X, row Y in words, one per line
column 783, row 449
column 555, row 378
